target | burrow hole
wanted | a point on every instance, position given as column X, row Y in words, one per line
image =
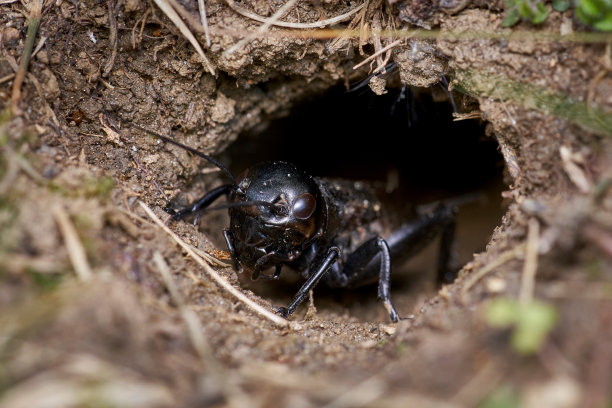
column 408, row 145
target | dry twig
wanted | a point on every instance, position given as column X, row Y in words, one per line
column 464, row 116
column 112, row 39
column 76, row 252
column 572, row 165
column 7, row 78
column 499, row 261
column 142, row 20
column 221, row 281
column 376, row 54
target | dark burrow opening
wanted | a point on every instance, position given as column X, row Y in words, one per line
column 408, row 146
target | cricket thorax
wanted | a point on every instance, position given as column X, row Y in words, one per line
column 356, row 213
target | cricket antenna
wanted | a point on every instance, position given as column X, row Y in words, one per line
column 189, row 149
column 239, row 204
column 199, row 211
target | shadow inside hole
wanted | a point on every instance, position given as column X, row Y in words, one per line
column 403, row 142
column 361, row 136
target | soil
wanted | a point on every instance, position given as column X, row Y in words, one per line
column 123, row 337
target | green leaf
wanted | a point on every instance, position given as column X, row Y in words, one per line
column 596, row 13
column 536, row 320
column 590, row 9
column 512, row 17
column 541, row 15
column 531, row 322
column 560, row 5
column 605, row 24
column 524, row 9
column 501, row 312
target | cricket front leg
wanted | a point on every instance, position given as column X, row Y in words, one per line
column 332, row 254
column 200, row 205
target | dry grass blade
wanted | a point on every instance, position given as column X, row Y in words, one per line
column 41, row 44
column 209, row 258
column 531, row 262
column 376, row 54
column 232, row 392
column 174, row 17
column 202, row 8
column 11, row 170
column 481, row 384
column 76, row 252
column 221, row 281
column 600, row 237
column 112, row 39
column 280, row 13
column 522, row 36
column 7, row 78
column 500, row 260
column 33, row 23
column 194, row 326
column 191, row 21
column 572, row 165
column 317, row 24
column 29, row 170
column 361, row 394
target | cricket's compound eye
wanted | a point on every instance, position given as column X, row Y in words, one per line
column 303, row 206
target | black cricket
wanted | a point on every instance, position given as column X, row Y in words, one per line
column 324, row 229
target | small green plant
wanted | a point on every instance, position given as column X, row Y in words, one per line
column 531, row 10
column 45, row 281
column 530, row 322
column 560, row 5
column 504, row 397
column 596, row 13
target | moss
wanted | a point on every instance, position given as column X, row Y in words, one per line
column 45, row 281
column 485, row 84
column 8, row 213
column 91, row 187
column 99, row 187
column 504, row 397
